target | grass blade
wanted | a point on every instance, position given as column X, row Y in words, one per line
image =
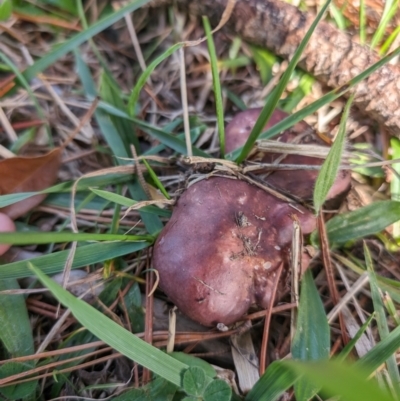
column 115, row 335
column 311, row 341
column 351, row 344
column 272, row 384
column 154, row 177
column 362, row 222
column 311, row 108
column 330, row 167
column 134, row 97
column 395, row 181
column 381, row 319
column 273, row 99
column 23, row 238
column 84, row 255
column 390, row 9
column 381, row 352
column 74, row 42
column 216, row 85
column 83, row 184
column 363, row 25
column 15, row 334
column 119, row 148
column 16, row 337
column 348, row 382
column 124, row 201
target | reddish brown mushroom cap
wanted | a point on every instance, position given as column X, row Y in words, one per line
column 220, row 250
column 299, row 183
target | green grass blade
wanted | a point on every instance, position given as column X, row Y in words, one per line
column 273, row 383
column 119, row 148
column 330, row 167
column 338, row 16
column 83, row 184
column 74, row 42
column 351, row 344
column 348, row 382
column 311, row 108
column 24, row 83
column 154, row 177
column 362, row 222
column 84, row 256
column 381, row 352
column 115, row 335
column 114, row 96
column 5, row 10
column 134, row 97
column 23, row 238
column 311, row 341
column 392, row 37
column 363, row 23
column 391, row 7
column 216, row 85
column 164, row 137
column 381, row 319
column 124, row 201
column 16, row 337
column 395, row 181
column 15, row 333
column 273, row 99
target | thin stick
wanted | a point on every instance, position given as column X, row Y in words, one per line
column 135, row 41
column 148, row 334
column 330, row 276
column 267, row 323
column 85, row 119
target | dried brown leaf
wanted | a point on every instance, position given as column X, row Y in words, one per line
column 28, row 174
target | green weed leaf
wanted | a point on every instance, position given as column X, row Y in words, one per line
column 217, row 390
column 17, row 391
column 194, row 381
column 312, row 338
column 330, row 167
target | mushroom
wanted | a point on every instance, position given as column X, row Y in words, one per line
column 220, row 251
column 298, row 183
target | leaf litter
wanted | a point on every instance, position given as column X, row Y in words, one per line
column 28, row 174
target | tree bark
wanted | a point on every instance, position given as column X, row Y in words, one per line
column 331, row 55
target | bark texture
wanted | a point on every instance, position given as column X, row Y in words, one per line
column 331, row 55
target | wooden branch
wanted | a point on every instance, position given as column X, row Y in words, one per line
column 331, row 56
